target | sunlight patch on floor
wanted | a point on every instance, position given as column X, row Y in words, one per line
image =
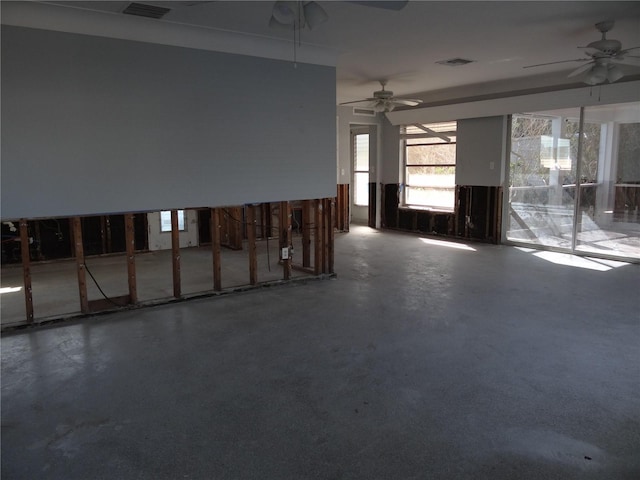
column 442, row 243
column 579, row 262
column 9, row 289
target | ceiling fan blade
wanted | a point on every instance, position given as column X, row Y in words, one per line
column 561, row 61
column 350, row 103
column 410, row 102
column 375, row 100
column 622, row 52
column 631, row 60
column 580, row 69
column 387, row 5
column 178, row 4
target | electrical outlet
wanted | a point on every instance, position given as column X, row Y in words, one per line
column 492, row 165
column 285, row 253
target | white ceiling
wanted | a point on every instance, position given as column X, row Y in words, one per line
column 368, row 44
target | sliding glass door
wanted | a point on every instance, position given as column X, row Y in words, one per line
column 575, row 180
column 542, row 173
column 608, row 221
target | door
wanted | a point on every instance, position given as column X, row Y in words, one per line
column 361, row 203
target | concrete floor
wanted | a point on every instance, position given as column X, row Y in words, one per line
column 420, row 361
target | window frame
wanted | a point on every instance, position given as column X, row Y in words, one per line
column 404, row 136
column 181, row 215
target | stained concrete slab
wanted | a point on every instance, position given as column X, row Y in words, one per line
column 420, row 360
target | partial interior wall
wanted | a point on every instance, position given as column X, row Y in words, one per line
column 249, row 246
column 94, row 125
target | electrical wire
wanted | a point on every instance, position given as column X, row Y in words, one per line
column 310, row 226
column 86, row 267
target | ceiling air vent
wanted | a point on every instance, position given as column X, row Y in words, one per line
column 367, row 112
column 455, row 62
column 149, row 11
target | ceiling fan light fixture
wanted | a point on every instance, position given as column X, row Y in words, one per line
column 597, row 75
column 284, row 12
column 614, row 74
column 314, row 14
column 274, row 23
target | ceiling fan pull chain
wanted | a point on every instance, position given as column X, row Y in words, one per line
column 295, row 50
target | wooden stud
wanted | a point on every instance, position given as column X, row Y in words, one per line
column 342, row 208
column 498, row 217
column 285, row 237
column 26, row 268
column 317, row 237
column 326, row 226
column 76, row 226
column 488, row 214
column 251, row 244
column 234, row 227
column 306, row 233
column 175, row 250
column 130, row 240
column 214, row 224
column 331, row 214
column 265, row 216
column 103, row 233
column 109, row 235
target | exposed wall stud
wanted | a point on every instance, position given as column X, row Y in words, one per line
column 251, row 244
column 215, row 248
column 317, row 237
column 103, row 234
column 331, row 234
column 285, row 237
column 306, row 233
column 175, row 250
column 130, row 241
column 265, row 220
column 326, row 226
column 26, row 268
column 76, row 226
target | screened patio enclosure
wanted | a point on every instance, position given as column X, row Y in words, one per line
column 574, row 180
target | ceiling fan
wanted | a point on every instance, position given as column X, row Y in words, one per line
column 603, row 55
column 384, row 101
column 300, row 14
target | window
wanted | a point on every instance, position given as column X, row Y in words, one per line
column 165, row 220
column 361, row 169
column 430, row 165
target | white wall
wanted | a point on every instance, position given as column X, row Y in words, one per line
column 391, row 167
column 162, row 240
column 480, row 158
column 94, row 125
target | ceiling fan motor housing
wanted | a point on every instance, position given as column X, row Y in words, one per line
column 383, row 94
column 606, row 46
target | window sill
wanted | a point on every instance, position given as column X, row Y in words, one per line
column 424, row 209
